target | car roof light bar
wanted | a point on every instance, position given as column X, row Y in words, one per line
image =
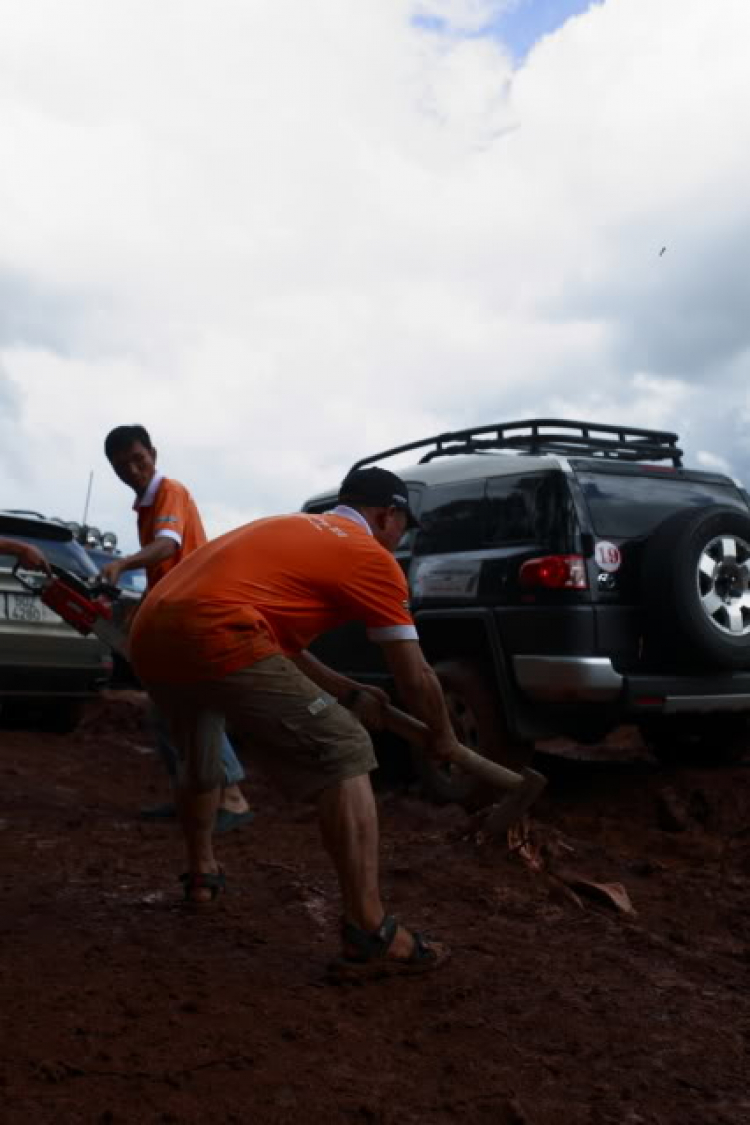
column 547, row 435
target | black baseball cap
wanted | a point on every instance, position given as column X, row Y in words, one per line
column 377, row 488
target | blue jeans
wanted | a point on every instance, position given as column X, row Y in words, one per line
column 233, row 771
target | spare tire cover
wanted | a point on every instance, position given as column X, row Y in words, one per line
column 696, row 586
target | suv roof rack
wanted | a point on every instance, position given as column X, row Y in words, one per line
column 25, row 512
column 547, row 435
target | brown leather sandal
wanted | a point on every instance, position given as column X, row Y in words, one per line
column 372, row 961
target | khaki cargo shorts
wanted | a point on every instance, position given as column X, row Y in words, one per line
column 276, row 717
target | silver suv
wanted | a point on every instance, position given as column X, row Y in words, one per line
column 47, row 669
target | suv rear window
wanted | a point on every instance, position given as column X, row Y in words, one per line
column 625, row 506
column 66, row 554
column 533, row 508
column 454, row 517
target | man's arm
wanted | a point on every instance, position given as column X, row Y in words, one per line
column 369, row 700
column 329, row 680
column 27, row 555
column 161, row 548
column 420, row 689
column 417, row 685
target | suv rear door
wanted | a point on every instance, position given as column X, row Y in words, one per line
column 624, row 504
column 477, row 534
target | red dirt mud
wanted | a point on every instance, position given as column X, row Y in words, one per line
column 563, row 1003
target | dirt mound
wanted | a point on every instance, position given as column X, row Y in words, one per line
column 560, row 1006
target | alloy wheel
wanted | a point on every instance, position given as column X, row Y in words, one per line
column 724, row 584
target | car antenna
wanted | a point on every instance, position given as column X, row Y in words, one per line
column 88, row 498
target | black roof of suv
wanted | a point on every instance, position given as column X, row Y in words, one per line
column 568, row 577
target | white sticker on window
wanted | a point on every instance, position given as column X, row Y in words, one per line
column 608, row 556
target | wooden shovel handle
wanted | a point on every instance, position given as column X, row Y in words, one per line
column 416, row 732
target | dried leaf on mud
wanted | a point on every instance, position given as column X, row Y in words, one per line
column 612, row 894
column 539, row 856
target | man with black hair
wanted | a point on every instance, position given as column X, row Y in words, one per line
column 224, row 637
column 169, row 529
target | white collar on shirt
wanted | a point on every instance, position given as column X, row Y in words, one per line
column 149, row 495
column 352, row 514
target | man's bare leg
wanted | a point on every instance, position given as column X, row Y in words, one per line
column 349, row 828
column 197, row 811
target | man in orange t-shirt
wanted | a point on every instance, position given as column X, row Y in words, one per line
column 224, row 638
column 169, row 529
column 169, row 525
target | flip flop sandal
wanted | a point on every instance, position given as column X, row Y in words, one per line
column 373, row 962
column 215, row 882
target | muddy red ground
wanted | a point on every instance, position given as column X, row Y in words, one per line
column 117, row 1007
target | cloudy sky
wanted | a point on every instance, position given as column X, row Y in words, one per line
column 283, row 235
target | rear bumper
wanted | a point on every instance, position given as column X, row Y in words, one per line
column 644, row 695
column 566, row 680
column 52, row 683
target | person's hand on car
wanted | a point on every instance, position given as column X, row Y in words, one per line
column 111, row 572
column 30, row 557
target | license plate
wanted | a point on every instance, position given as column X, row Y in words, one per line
column 21, row 607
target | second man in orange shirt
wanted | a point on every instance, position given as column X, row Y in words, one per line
column 169, row 530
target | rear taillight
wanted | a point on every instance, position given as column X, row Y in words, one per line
column 555, row 572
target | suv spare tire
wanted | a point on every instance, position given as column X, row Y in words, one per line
column 696, row 587
column 477, row 719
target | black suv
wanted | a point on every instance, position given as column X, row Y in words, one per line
column 567, row 578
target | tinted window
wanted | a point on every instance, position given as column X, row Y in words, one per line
column 406, row 543
column 532, row 508
column 69, row 555
column 453, row 518
column 628, row 506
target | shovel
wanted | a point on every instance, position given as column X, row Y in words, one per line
column 521, row 789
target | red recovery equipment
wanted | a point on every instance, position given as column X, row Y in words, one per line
column 87, row 607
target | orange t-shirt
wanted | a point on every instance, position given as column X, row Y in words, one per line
column 171, row 512
column 269, row 587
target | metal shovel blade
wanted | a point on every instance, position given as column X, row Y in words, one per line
column 505, row 813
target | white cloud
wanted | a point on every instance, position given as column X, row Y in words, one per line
column 282, row 236
column 713, row 461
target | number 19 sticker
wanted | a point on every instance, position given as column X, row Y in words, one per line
column 608, row 556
